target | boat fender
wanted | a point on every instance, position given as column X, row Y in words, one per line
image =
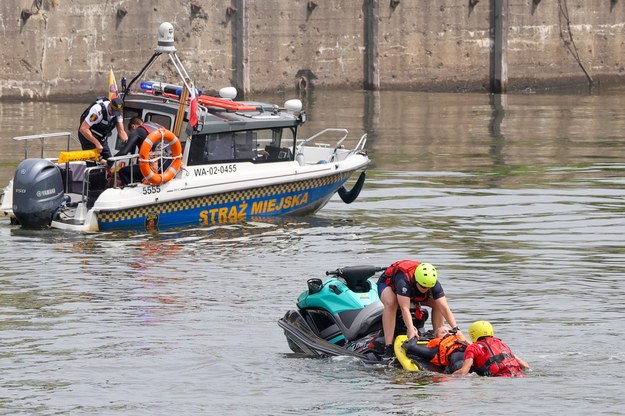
column 350, row 196
column 402, row 357
column 155, row 137
column 78, row 155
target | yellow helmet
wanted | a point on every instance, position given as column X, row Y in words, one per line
column 425, row 274
column 479, row 329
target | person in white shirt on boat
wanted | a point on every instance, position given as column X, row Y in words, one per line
column 97, row 121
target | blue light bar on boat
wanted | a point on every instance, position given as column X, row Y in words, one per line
column 158, row 87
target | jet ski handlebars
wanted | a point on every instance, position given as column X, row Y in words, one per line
column 356, row 277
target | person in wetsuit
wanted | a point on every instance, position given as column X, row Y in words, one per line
column 446, row 349
column 139, row 130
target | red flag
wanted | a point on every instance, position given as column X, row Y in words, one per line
column 193, row 117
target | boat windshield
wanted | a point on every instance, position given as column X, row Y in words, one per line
column 258, row 146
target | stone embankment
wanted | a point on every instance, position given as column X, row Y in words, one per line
column 64, row 48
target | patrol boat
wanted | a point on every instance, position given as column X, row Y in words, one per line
column 218, row 161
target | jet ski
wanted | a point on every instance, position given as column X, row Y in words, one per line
column 343, row 316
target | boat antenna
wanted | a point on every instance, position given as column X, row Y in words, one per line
column 165, row 45
column 144, row 70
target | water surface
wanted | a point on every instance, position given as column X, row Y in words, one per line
column 517, row 201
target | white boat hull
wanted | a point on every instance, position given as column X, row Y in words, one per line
column 196, row 198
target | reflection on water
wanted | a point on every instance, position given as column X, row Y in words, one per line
column 517, row 200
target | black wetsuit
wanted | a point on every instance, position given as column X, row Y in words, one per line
column 133, row 145
column 455, row 359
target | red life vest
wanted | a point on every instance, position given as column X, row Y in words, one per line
column 447, row 345
column 407, row 267
column 149, row 127
column 496, row 360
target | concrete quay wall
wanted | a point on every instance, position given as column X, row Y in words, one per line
column 64, row 48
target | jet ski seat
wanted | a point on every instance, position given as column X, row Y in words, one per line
column 357, row 277
column 365, row 320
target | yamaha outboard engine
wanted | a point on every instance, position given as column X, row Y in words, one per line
column 37, row 192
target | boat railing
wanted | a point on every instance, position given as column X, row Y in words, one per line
column 119, row 163
column 360, row 146
column 94, row 183
column 325, row 132
column 339, row 152
column 41, row 138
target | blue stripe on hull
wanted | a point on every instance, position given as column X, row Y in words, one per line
column 227, row 207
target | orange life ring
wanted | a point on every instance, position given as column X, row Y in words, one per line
column 155, row 178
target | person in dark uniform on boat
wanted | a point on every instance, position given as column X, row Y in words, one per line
column 97, row 121
column 406, row 282
column 139, row 130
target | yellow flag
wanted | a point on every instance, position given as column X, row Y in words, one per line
column 113, row 92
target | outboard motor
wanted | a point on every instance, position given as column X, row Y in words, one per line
column 37, row 192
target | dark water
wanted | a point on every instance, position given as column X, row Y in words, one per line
column 518, row 202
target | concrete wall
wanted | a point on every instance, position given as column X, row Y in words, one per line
column 65, row 47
